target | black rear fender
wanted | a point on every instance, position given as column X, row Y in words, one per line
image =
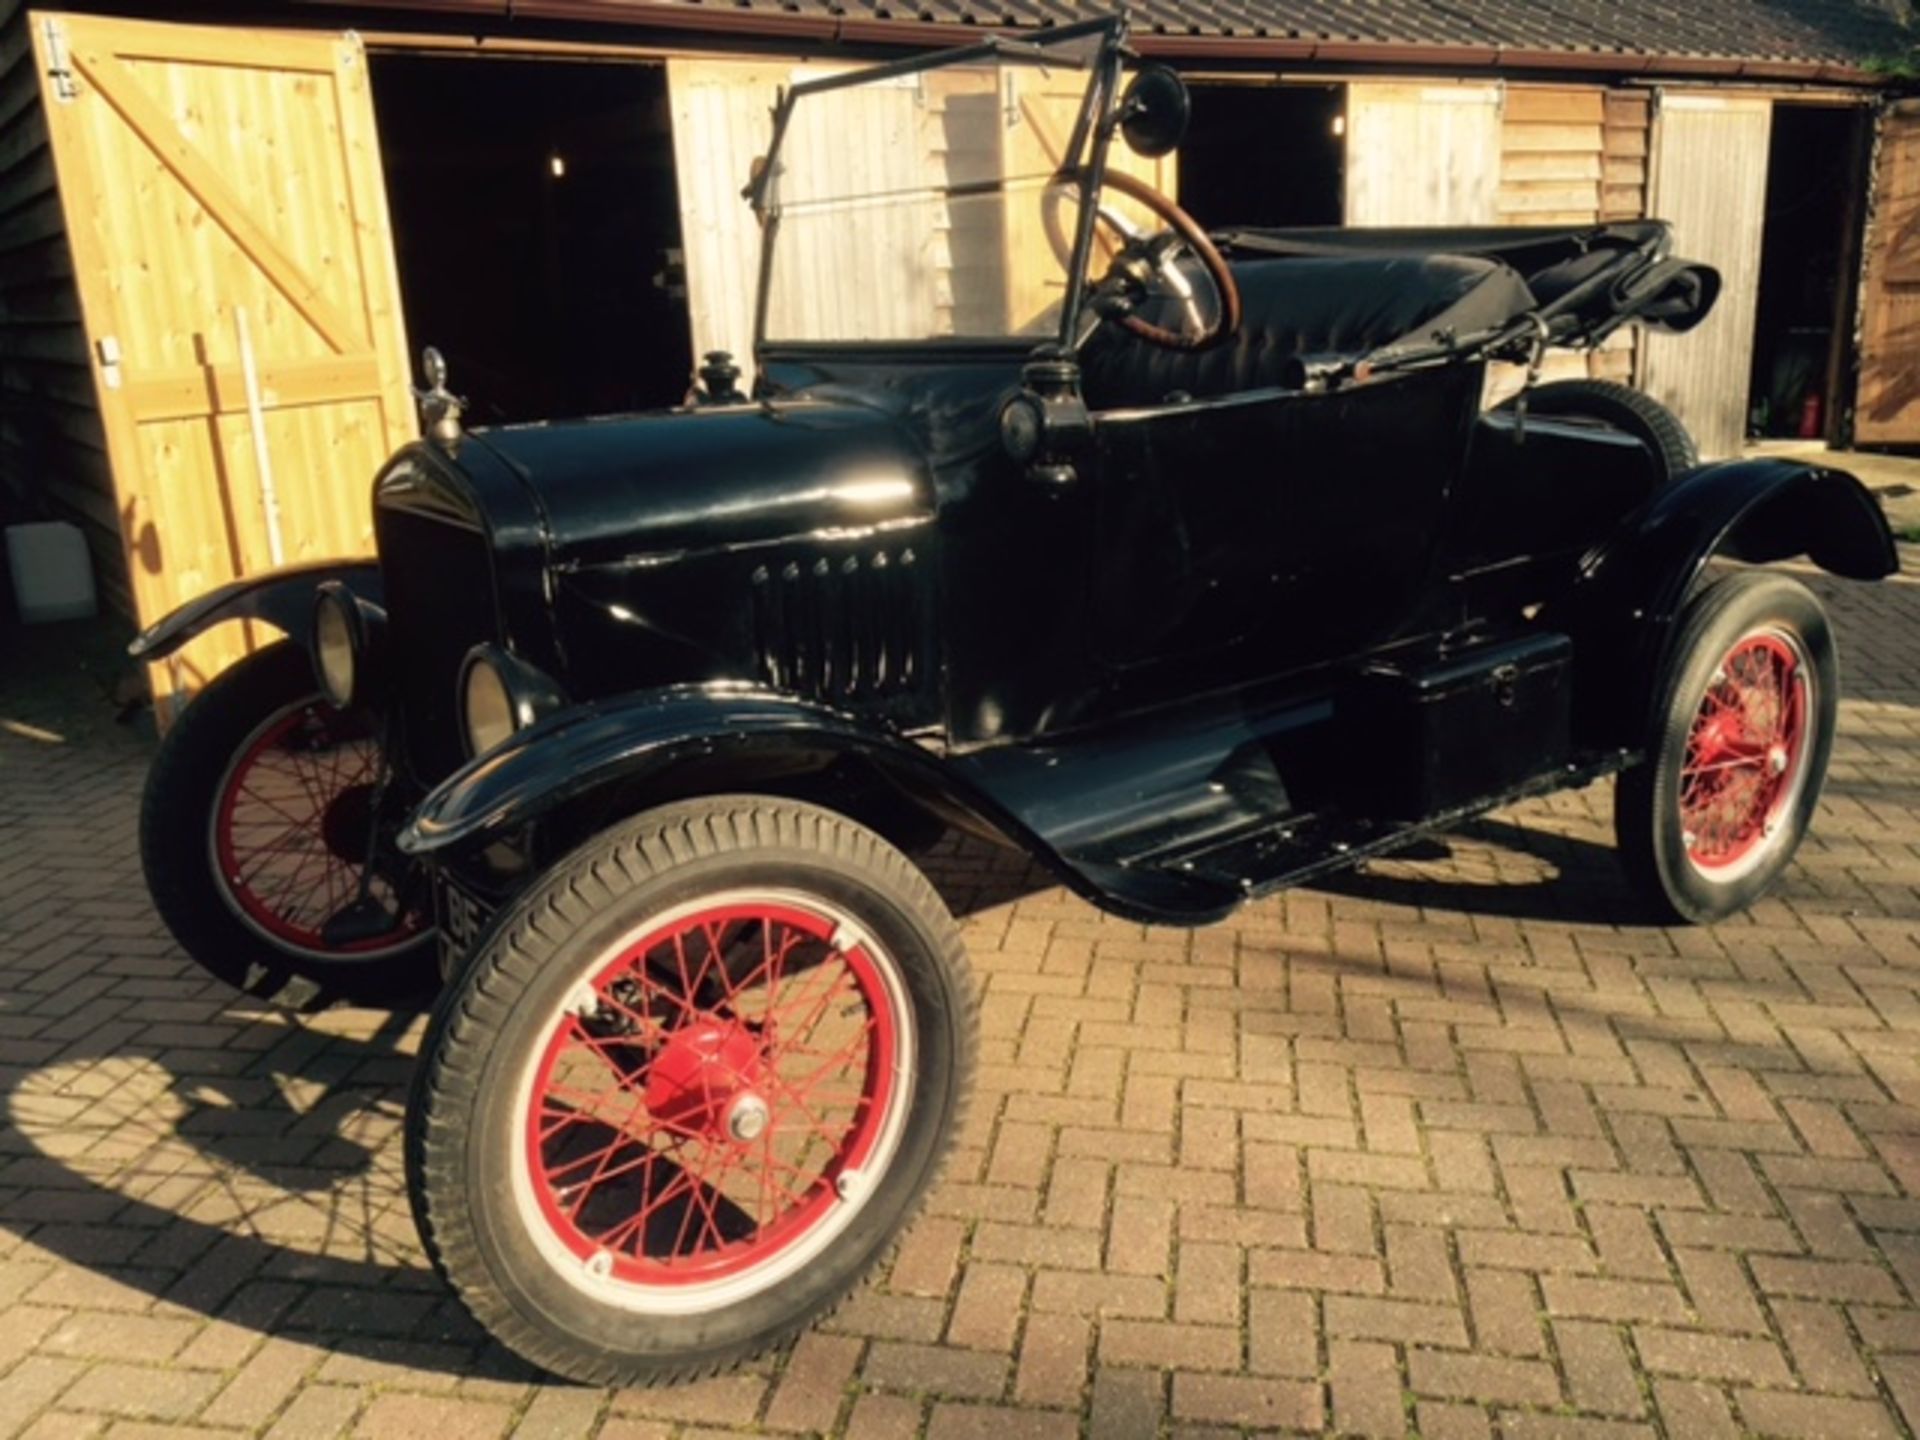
column 1633, row 586
column 282, row 598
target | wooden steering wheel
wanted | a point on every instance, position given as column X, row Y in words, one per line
column 1158, row 253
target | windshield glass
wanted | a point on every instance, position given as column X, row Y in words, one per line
column 927, row 205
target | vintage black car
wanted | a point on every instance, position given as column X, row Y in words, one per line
column 1188, row 563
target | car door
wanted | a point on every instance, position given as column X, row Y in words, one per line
column 1267, row 530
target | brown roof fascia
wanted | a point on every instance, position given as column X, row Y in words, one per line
column 826, row 29
column 1506, row 58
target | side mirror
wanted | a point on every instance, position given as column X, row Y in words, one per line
column 1154, row 112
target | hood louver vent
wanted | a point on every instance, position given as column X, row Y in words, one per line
column 844, row 628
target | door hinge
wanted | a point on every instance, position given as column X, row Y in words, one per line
column 108, row 349
column 59, row 61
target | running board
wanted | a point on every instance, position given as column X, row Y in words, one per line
column 1179, row 818
column 1297, row 851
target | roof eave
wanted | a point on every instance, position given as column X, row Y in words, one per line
column 743, row 22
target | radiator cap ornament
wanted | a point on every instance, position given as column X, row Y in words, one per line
column 440, row 408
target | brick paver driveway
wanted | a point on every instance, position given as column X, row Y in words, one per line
column 1453, row 1147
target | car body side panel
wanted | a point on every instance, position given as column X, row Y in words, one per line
column 1296, row 527
column 1538, row 486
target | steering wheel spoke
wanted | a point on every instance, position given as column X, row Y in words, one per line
column 1147, row 262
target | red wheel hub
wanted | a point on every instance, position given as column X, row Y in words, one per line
column 1745, row 751
column 703, row 1081
column 291, row 825
column 704, row 1104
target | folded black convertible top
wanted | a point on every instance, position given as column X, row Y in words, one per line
column 1584, row 282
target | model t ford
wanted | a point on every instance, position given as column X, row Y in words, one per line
column 1188, row 563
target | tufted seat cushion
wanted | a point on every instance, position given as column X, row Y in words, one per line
column 1345, row 306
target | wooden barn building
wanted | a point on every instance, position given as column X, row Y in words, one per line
column 224, row 225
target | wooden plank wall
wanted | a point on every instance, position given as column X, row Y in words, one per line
column 53, row 451
column 1573, row 155
column 1551, row 142
column 1626, row 143
column 1888, row 410
column 1627, row 140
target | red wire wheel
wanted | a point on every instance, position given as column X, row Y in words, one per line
column 1746, row 753
column 710, row 1108
column 290, row 827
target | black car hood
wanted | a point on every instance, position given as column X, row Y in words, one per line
column 638, row 488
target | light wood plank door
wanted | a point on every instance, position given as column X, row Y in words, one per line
column 961, row 232
column 1710, row 180
column 1423, row 154
column 1888, row 409
column 228, row 217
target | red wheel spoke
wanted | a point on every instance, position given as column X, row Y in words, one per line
column 1737, row 763
column 834, row 1136
column 636, row 1223
column 745, row 1084
column 308, row 821
column 604, row 1159
column 276, row 824
column 617, row 1172
column 1742, row 759
column 840, row 1058
column 816, row 1010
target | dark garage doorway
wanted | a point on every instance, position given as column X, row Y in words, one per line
column 537, row 230
column 1265, row 155
column 1809, row 262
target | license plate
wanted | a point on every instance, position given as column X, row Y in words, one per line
column 462, row 916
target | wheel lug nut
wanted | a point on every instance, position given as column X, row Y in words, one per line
column 747, row 1118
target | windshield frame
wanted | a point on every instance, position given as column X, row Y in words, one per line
column 1091, row 137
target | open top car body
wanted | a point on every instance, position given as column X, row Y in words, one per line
column 1182, row 658
column 1191, row 567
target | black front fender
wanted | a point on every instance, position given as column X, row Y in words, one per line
column 1634, row 586
column 282, row 598
column 623, row 744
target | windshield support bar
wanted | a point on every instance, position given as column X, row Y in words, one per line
column 1096, row 125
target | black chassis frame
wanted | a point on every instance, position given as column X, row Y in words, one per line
column 646, row 595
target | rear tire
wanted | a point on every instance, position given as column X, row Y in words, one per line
column 1742, row 731
column 1624, row 409
column 254, row 795
column 624, row 1152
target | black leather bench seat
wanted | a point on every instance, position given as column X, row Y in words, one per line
column 1307, row 307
